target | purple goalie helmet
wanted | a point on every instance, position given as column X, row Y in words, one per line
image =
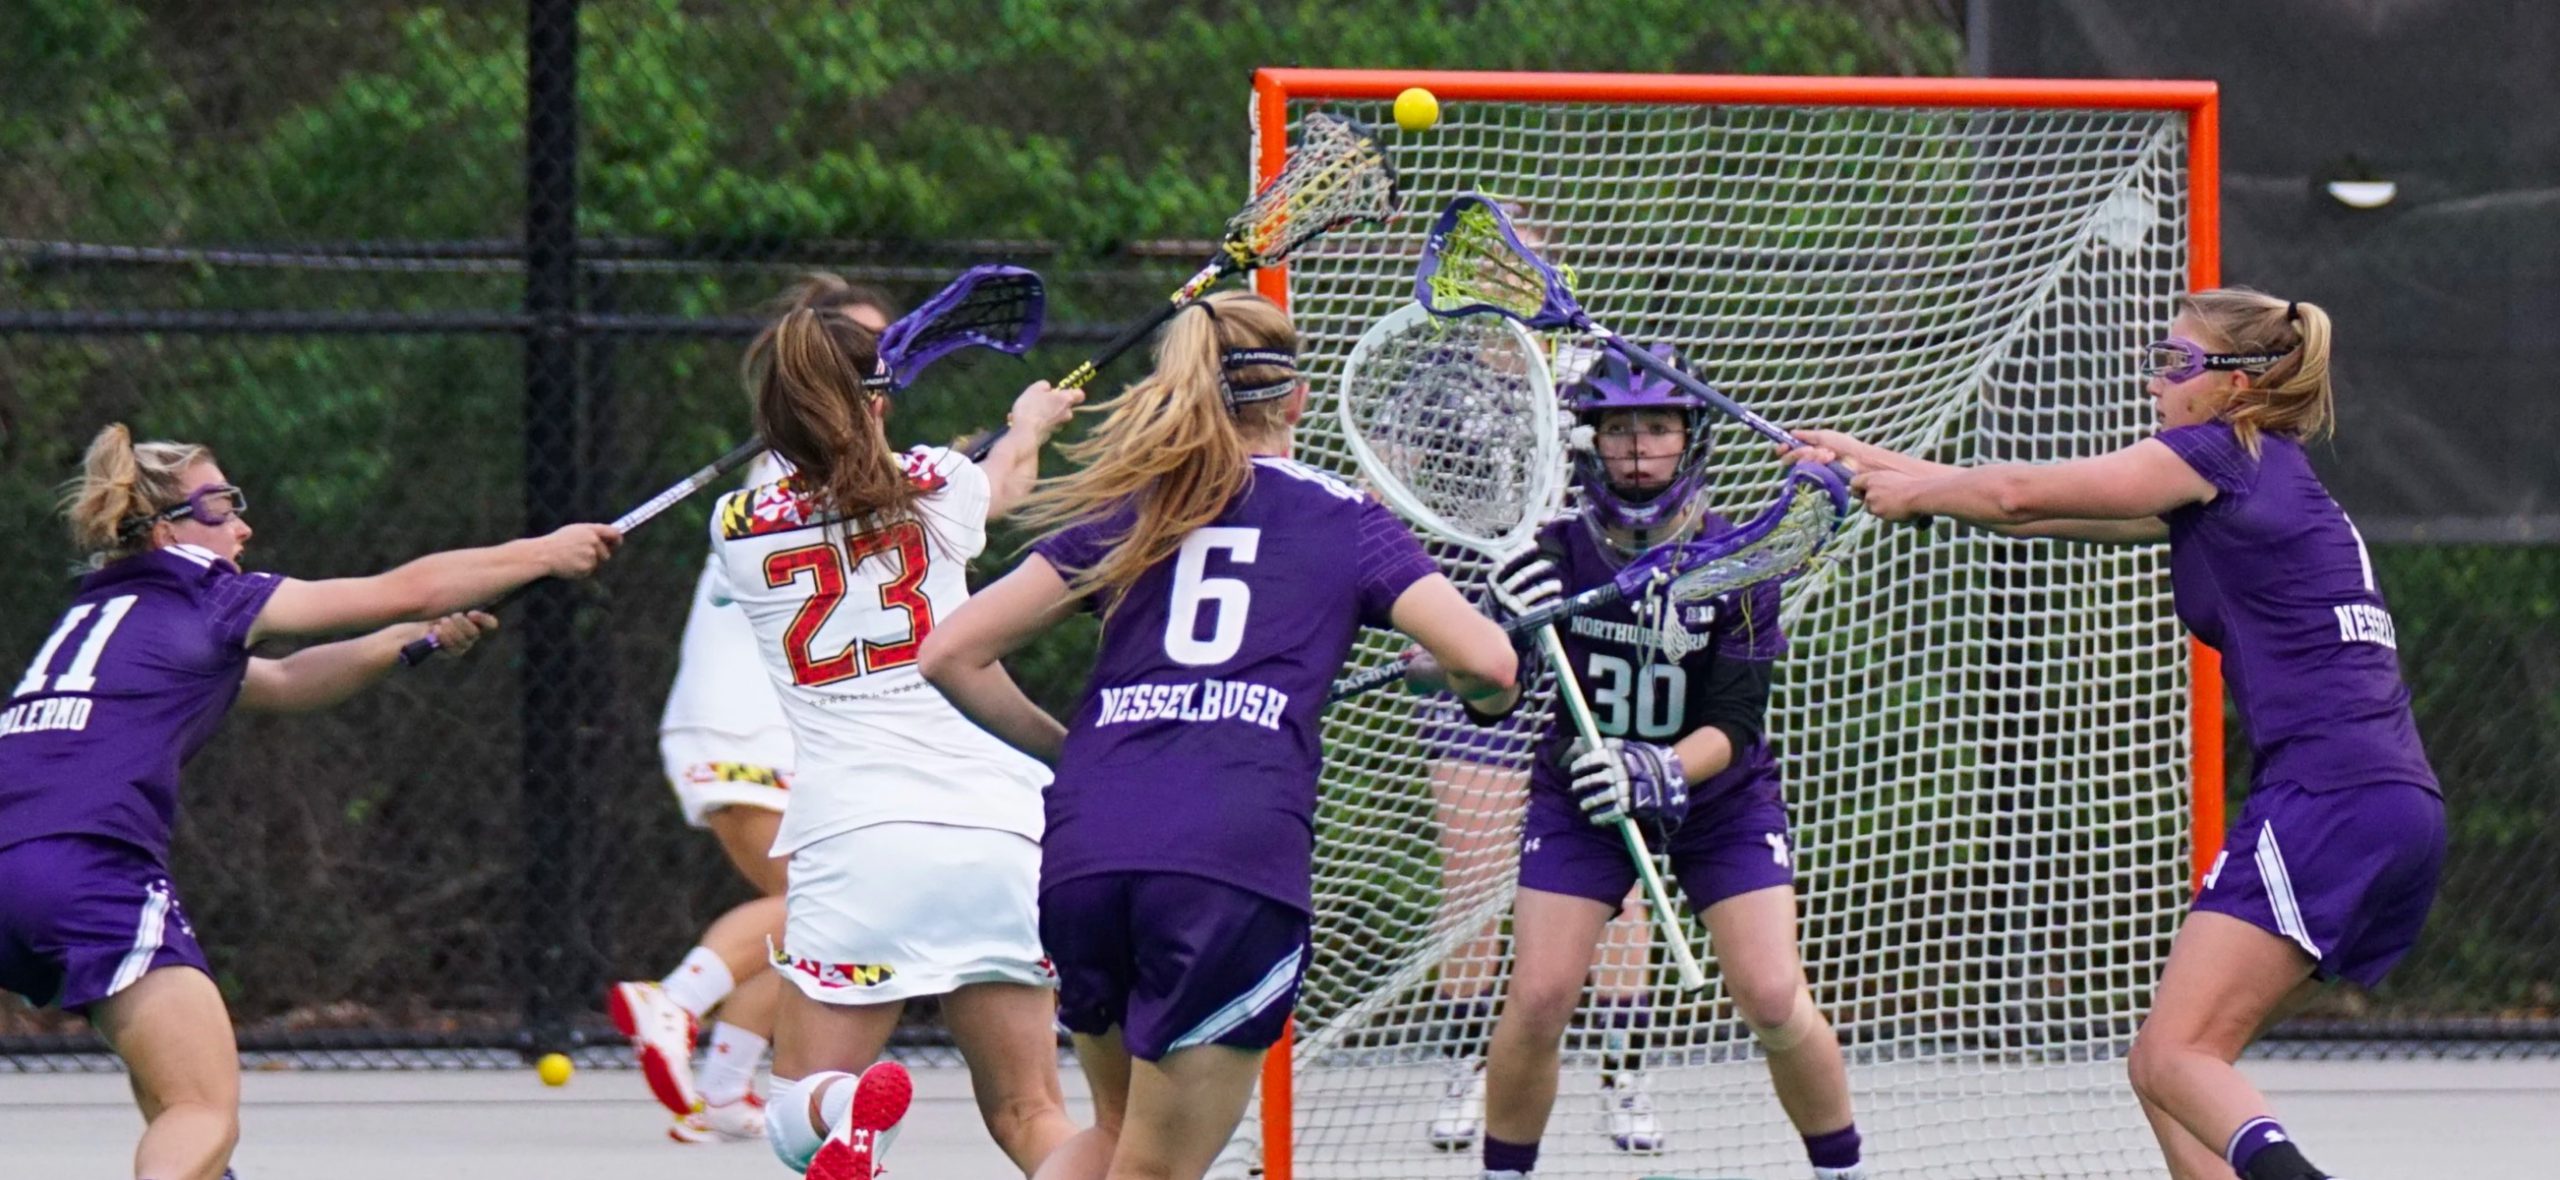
column 1613, row 384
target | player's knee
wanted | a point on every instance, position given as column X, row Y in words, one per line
column 1780, row 1021
column 2148, row 1065
column 1767, row 1003
column 1541, row 1007
column 792, row 1125
column 1014, row 1120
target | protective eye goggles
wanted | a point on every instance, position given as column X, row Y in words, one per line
column 2175, row 359
column 214, row 503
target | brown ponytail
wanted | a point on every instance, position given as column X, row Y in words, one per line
column 1169, row 445
column 806, row 372
column 820, row 290
column 2292, row 398
column 122, row 486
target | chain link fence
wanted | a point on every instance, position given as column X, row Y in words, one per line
column 429, row 276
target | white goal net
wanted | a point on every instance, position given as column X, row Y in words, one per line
column 1984, row 742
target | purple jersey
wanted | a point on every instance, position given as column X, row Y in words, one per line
column 129, row 684
column 2272, row 574
column 1641, row 690
column 1195, row 748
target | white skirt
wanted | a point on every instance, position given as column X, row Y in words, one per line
column 898, row 910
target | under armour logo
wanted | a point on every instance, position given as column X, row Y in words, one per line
column 1777, row 848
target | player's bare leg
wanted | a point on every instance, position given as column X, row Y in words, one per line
column 1182, row 1111
column 1007, row 1034
column 1755, row 939
column 2226, row 980
column 821, row 1053
column 1554, row 938
column 728, row 971
column 1086, row 1155
column 175, row 1037
column 1475, row 807
column 1620, row 1014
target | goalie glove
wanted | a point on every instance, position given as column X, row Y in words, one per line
column 1524, row 579
column 1624, row 780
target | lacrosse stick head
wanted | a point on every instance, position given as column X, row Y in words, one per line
column 993, row 306
column 1780, row 543
column 1476, row 262
column 1338, row 174
column 1619, row 414
column 1454, row 425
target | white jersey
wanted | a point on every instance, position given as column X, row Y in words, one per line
column 839, row 618
column 720, row 684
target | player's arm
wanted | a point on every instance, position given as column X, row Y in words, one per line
column 1827, row 446
column 964, row 655
column 1014, row 465
column 1469, row 651
column 2142, row 481
column 320, row 676
column 1734, row 711
column 434, row 585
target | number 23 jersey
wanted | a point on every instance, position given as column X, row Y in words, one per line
column 840, row 613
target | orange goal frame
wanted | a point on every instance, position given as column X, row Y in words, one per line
column 2199, row 101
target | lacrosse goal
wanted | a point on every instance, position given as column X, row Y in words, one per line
column 2002, row 757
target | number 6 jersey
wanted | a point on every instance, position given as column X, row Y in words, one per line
column 840, row 613
column 1195, row 749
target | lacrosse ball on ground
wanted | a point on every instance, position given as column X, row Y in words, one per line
column 554, row 1069
column 1416, row 109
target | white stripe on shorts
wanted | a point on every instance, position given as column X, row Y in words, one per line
column 147, row 934
column 1274, row 984
column 2280, row 890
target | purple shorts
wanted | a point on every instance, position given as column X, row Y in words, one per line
column 1732, row 846
column 2347, row 876
column 1173, row 960
column 82, row 918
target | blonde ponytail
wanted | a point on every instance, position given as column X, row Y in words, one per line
column 1170, row 448
column 2292, row 397
column 122, row 486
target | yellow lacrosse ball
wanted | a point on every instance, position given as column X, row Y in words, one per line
column 1416, row 109
column 554, row 1069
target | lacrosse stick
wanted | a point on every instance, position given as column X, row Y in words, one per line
column 1475, row 263
column 995, row 306
column 1780, row 543
column 1454, row 425
column 1335, row 176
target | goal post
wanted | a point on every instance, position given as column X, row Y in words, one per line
column 2001, row 757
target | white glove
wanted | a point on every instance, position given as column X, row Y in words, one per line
column 1524, row 580
column 1628, row 780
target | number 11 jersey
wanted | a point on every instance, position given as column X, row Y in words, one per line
column 840, row 612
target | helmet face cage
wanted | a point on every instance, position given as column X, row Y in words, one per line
column 1614, row 385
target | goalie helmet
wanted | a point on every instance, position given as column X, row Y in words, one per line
column 1613, row 384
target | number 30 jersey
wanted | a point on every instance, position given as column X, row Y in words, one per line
column 1195, row 749
column 840, row 613
column 1641, row 687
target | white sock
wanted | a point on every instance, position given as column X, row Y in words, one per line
column 700, row 982
column 1506, row 1176
column 729, row 1068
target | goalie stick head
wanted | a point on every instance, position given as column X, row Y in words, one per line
column 992, row 306
column 1609, row 403
column 1453, row 423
